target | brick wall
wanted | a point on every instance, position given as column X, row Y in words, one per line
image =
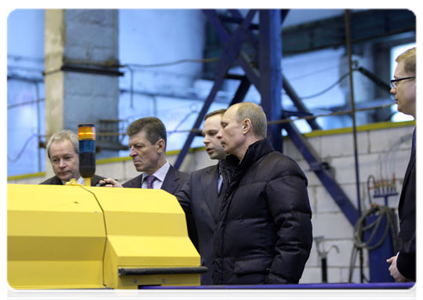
column 336, row 148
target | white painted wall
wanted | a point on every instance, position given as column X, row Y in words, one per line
column 151, row 43
column 25, row 50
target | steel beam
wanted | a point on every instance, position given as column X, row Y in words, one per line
column 242, row 59
column 242, row 90
column 297, row 102
column 366, row 25
column 270, row 58
column 225, row 62
column 269, row 83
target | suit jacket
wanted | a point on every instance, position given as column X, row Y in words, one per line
column 56, row 181
column 172, row 184
column 406, row 262
column 198, row 197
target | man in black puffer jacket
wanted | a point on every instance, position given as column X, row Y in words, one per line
column 264, row 230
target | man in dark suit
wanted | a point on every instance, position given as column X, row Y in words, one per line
column 403, row 265
column 199, row 195
column 147, row 144
column 63, row 152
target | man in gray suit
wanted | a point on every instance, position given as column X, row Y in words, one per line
column 199, row 196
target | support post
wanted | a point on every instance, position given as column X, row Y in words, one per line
column 270, row 59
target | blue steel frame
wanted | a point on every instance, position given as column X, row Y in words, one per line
column 270, row 58
column 322, row 172
column 268, row 81
column 230, row 53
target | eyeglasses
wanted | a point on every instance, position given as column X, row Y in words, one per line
column 394, row 82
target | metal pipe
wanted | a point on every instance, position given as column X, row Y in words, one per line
column 161, row 271
column 131, row 101
column 353, row 115
column 37, row 95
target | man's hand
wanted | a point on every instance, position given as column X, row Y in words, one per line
column 109, row 182
column 394, row 270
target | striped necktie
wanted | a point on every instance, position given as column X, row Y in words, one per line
column 150, row 179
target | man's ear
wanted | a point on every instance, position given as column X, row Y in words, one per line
column 246, row 126
column 161, row 145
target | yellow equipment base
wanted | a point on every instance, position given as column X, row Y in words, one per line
column 62, row 237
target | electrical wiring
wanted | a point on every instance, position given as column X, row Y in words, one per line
column 25, row 103
column 326, row 89
column 383, row 187
column 387, row 160
column 337, row 113
column 206, row 60
column 13, row 160
column 332, row 69
column 382, row 212
column 175, row 130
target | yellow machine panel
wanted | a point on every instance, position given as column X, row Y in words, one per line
column 56, row 237
column 97, row 237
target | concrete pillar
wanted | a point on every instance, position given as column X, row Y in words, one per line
column 81, row 82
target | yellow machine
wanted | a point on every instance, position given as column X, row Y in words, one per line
column 95, row 237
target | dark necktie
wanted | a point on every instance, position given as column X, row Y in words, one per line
column 150, row 179
column 413, row 143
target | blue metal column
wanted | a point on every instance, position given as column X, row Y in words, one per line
column 225, row 62
column 242, row 90
column 271, row 105
column 270, row 59
column 341, row 199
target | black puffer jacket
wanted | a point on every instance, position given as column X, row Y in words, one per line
column 264, row 231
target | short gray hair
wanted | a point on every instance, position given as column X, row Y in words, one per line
column 249, row 110
column 62, row 136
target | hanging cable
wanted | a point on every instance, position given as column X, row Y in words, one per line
column 13, row 160
column 327, row 89
column 25, row 103
column 361, row 226
column 193, row 111
column 181, row 61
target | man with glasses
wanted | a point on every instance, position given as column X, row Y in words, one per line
column 403, row 265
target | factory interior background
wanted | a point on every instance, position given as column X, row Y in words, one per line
column 125, row 64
